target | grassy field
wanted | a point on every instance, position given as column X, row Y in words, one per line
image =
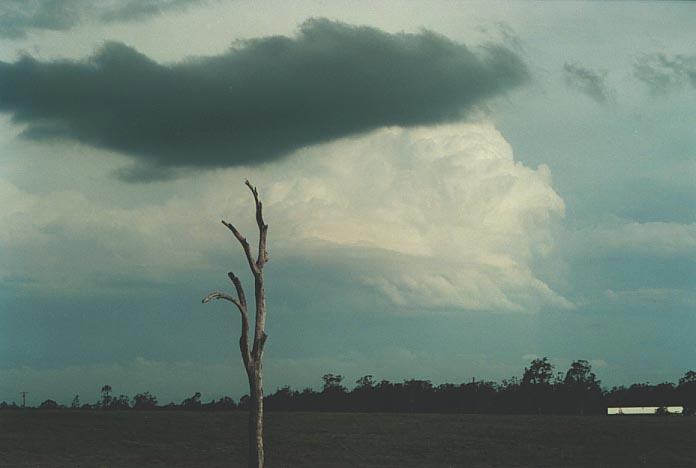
column 196, row 439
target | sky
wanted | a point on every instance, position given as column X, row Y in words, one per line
column 452, row 188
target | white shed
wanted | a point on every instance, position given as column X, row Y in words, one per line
column 644, row 409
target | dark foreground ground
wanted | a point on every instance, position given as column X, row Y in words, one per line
column 197, row 439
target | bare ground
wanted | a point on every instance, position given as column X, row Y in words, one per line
column 199, row 439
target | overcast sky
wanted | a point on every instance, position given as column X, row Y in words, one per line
column 452, row 189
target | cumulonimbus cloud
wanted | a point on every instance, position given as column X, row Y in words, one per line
column 259, row 101
column 438, row 217
column 429, row 218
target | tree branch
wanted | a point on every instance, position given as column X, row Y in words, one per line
column 244, row 339
column 238, row 287
column 221, row 295
column 262, row 257
column 245, row 245
column 241, row 305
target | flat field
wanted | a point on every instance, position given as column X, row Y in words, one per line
column 199, row 439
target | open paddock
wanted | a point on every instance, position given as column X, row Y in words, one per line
column 34, row 438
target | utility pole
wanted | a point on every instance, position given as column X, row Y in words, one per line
column 24, row 399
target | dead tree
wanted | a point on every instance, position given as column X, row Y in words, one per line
column 252, row 358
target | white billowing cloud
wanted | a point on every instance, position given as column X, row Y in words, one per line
column 456, row 220
column 431, row 217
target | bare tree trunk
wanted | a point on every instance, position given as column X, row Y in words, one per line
column 256, row 454
column 252, row 359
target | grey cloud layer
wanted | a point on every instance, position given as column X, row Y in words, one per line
column 662, row 73
column 135, row 10
column 588, row 82
column 259, row 101
column 17, row 17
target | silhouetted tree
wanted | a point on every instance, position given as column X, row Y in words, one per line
column 120, row 402
column 332, row 382
column 509, row 395
column 576, row 391
column 539, row 372
column 106, row 396
column 144, row 401
column 49, row 405
column 418, row 395
column 334, row 396
column 194, row 402
column 643, row 394
column 244, row 402
column 581, row 388
column 687, row 392
column 9, row 406
column 536, row 385
column 580, row 375
column 365, row 382
column 224, row 404
column 665, row 394
column 252, row 359
column 75, row 402
column 363, row 395
column 283, row 399
column 689, row 378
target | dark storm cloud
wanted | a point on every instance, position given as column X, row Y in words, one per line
column 588, row 82
column 19, row 16
column 262, row 99
column 662, row 73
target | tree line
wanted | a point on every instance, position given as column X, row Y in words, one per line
column 540, row 390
